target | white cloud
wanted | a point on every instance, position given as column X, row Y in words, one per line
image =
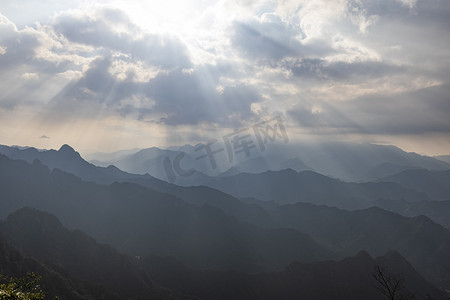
column 30, row 76
column 223, row 63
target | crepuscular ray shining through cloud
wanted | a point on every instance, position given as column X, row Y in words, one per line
column 105, row 75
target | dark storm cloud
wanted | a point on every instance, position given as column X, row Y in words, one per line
column 19, row 46
column 419, row 112
column 429, row 12
column 175, row 97
column 102, row 31
column 255, row 42
column 415, row 33
column 18, row 60
column 18, row 54
column 98, row 85
column 272, row 39
column 189, row 98
column 401, row 46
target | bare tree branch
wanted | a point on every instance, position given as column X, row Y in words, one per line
column 390, row 285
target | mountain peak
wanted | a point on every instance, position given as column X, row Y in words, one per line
column 28, row 218
column 66, row 148
column 363, row 255
column 68, row 154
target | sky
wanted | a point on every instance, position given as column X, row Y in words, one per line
column 110, row 75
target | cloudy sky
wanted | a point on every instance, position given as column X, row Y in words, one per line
column 108, row 75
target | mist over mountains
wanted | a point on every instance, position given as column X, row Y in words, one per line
column 346, row 161
column 237, row 234
column 225, row 149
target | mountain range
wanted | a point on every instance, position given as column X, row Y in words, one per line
column 46, row 242
column 41, row 236
column 346, row 161
column 234, row 233
column 433, row 183
column 289, row 186
column 141, row 221
column 350, row 278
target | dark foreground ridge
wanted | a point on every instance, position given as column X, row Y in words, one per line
column 116, row 276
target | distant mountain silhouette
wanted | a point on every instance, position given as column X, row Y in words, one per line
column 444, row 158
column 438, row 211
column 55, row 281
column 385, row 169
column 140, row 221
column 354, row 162
column 41, row 235
column 67, row 159
column 295, row 164
column 277, row 185
column 107, row 175
column 347, row 161
column 434, row 183
column 211, row 229
column 400, row 202
column 350, row 278
column 151, row 161
column 421, row 241
column 262, row 164
column 289, row 186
